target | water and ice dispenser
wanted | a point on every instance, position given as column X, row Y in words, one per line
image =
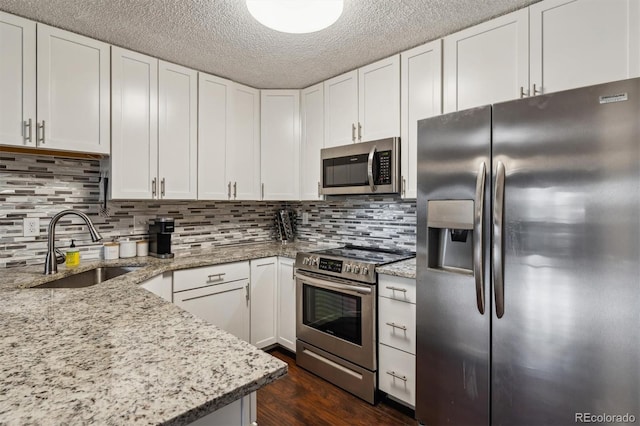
column 450, row 239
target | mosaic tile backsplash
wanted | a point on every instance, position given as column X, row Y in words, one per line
column 37, row 186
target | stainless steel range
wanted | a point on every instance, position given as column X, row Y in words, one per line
column 336, row 315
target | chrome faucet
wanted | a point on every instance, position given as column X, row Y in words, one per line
column 52, row 260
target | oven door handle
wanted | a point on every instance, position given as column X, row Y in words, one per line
column 372, row 154
column 330, row 285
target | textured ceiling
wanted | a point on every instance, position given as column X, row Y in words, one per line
column 221, row 37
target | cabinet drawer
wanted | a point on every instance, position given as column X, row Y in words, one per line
column 397, row 288
column 188, row 279
column 397, row 324
column 397, row 374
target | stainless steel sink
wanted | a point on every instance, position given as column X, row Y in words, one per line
column 88, row 278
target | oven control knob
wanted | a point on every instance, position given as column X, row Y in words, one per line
column 365, row 270
column 347, row 267
column 356, row 269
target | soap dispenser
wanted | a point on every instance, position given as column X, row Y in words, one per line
column 73, row 256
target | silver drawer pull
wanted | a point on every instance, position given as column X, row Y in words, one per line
column 218, row 277
column 394, row 325
column 404, row 290
column 393, row 373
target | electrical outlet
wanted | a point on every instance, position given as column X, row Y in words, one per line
column 305, row 218
column 31, row 227
column 141, row 223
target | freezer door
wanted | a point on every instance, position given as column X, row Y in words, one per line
column 453, row 307
column 566, row 328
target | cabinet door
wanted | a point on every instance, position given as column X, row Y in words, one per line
column 214, row 117
column 224, row 305
column 264, row 280
column 280, row 144
column 134, row 125
column 286, row 304
column 487, row 63
column 421, row 98
column 580, row 43
column 379, row 100
column 73, row 92
column 312, row 140
column 243, row 150
column 341, row 109
column 160, row 285
column 17, row 81
column 397, row 324
column 397, row 374
column 177, row 131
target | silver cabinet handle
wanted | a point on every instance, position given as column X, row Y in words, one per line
column 478, row 239
column 41, row 127
column 393, row 373
column 372, row 154
column 536, row 91
column 522, row 93
column 247, row 296
column 359, row 132
column 319, row 190
column 162, row 187
column 153, row 187
column 235, row 190
column 229, row 191
column 404, row 186
column 262, row 191
column 219, row 276
column 394, row 325
column 404, row 290
column 498, row 213
column 353, row 132
column 27, row 125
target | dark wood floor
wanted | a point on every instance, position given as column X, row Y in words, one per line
column 302, row 398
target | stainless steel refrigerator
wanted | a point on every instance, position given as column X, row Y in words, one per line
column 528, row 309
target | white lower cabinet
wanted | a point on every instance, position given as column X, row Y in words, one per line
column 160, row 285
column 286, row 303
column 397, row 338
column 241, row 413
column 217, row 294
column 264, row 299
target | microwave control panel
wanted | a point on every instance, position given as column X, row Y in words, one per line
column 384, row 168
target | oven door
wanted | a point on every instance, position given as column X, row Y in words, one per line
column 337, row 316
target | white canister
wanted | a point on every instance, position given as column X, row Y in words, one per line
column 111, row 251
column 142, row 248
column 127, row 249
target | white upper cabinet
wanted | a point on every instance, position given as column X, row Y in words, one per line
column 487, row 63
column 177, row 131
column 341, row 109
column 583, row 42
column 312, row 140
column 17, row 81
column 243, row 153
column 364, row 104
column 215, row 111
column 379, row 100
column 280, row 144
column 134, row 125
column 421, row 98
column 73, row 91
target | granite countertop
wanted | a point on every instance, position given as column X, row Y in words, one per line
column 405, row 269
column 115, row 353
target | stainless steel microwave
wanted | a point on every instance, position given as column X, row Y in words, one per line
column 361, row 168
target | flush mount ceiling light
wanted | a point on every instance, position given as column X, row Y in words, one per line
column 296, row 16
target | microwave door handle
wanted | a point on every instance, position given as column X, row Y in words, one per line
column 372, row 154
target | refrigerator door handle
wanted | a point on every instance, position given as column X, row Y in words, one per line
column 478, row 239
column 497, row 254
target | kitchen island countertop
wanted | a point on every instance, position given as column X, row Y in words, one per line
column 115, row 353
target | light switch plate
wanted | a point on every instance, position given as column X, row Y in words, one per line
column 141, row 223
column 31, row 227
column 305, row 218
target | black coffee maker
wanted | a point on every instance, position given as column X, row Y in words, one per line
column 160, row 230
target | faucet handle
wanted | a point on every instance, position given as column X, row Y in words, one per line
column 60, row 257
